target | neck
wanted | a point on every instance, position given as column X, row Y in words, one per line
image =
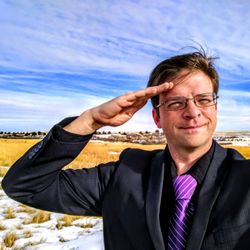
column 185, row 158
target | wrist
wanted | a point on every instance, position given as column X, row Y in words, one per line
column 84, row 124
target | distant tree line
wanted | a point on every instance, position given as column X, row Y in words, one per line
column 16, row 135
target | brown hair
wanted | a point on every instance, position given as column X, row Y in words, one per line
column 171, row 68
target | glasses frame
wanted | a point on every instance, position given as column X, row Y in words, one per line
column 214, row 102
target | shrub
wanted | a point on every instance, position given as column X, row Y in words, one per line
column 25, row 209
column 66, row 221
column 38, row 217
column 9, row 239
column 2, row 227
column 9, row 213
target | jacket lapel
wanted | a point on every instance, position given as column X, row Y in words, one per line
column 153, row 200
column 208, row 194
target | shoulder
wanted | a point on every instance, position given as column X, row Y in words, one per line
column 237, row 160
column 230, row 153
column 235, row 164
column 139, row 153
column 235, row 155
column 135, row 156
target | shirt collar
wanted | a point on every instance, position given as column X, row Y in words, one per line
column 198, row 170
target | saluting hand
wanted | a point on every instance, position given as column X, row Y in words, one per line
column 116, row 111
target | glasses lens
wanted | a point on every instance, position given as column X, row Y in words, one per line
column 180, row 102
column 175, row 103
column 205, row 100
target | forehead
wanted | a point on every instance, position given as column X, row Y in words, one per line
column 190, row 84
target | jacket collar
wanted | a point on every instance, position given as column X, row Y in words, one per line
column 208, row 194
column 153, row 200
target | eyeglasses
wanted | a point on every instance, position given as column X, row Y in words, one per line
column 181, row 102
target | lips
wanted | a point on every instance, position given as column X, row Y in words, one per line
column 191, row 127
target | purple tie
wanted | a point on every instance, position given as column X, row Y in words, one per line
column 180, row 222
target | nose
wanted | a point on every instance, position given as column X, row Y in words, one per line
column 191, row 111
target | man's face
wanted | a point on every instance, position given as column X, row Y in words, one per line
column 191, row 127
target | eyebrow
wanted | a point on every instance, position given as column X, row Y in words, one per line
column 184, row 97
column 174, row 98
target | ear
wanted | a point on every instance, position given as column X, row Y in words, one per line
column 156, row 117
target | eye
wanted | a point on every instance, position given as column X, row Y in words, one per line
column 203, row 100
column 174, row 104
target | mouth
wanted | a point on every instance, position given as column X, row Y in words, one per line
column 192, row 128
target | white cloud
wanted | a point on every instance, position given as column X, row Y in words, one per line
column 234, row 110
column 128, row 37
column 122, row 38
column 40, row 112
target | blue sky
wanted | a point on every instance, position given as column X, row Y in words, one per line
column 58, row 58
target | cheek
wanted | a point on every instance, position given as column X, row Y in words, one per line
column 212, row 113
column 168, row 119
column 211, row 116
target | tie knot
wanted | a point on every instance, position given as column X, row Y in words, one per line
column 184, row 186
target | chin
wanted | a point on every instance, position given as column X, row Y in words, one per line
column 193, row 141
column 196, row 142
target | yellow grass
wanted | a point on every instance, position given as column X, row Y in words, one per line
column 27, row 234
column 66, row 221
column 87, row 225
column 38, row 217
column 12, row 149
column 9, row 239
column 2, row 227
column 94, row 152
column 9, row 213
column 25, row 209
column 3, row 171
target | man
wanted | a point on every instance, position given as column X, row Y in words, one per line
column 140, row 197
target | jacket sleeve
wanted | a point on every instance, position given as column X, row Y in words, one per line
column 37, row 178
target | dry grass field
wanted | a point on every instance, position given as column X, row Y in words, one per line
column 23, row 232
column 12, row 149
column 94, row 153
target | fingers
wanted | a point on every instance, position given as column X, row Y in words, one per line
column 156, row 90
column 120, row 109
column 133, row 98
column 149, row 92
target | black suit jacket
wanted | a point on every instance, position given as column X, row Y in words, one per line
column 127, row 193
